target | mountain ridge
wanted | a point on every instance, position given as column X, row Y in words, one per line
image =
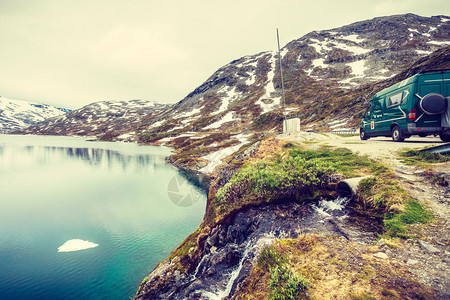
column 328, row 76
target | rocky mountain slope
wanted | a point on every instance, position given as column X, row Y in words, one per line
column 325, row 73
column 328, row 76
column 16, row 114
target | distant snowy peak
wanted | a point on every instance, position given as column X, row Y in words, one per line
column 105, row 120
column 128, row 104
column 18, row 114
column 118, row 108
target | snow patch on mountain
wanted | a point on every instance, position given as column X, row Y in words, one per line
column 423, row 52
column 229, row 117
column 352, row 48
column 267, row 101
column 229, row 95
column 193, row 112
column 439, row 43
column 215, row 159
column 358, row 68
column 354, row 38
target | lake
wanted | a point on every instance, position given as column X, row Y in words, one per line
column 88, row 220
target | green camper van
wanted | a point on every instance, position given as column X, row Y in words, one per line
column 418, row 105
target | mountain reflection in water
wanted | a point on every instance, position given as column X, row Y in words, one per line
column 106, row 159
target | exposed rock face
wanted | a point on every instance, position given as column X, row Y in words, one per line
column 230, row 250
column 328, row 75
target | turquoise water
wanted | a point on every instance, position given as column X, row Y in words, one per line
column 119, row 196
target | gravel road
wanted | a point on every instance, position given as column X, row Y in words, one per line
column 376, row 148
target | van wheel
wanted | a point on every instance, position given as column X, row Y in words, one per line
column 363, row 135
column 445, row 137
column 397, row 134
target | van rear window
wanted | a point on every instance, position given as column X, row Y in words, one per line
column 396, row 100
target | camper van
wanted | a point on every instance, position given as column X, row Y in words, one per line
column 418, row 105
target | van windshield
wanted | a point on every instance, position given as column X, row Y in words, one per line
column 367, row 113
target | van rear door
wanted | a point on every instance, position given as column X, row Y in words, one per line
column 427, row 84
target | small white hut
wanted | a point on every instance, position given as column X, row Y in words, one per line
column 292, row 125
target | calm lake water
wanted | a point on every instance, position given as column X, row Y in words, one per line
column 123, row 197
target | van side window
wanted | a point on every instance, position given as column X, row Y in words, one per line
column 395, row 100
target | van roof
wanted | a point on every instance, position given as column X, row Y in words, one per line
column 437, row 71
column 408, row 81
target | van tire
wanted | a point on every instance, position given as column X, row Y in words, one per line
column 363, row 135
column 397, row 135
column 445, row 137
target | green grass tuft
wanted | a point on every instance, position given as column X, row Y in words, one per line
column 414, row 212
column 416, row 157
column 284, row 283
column 269, row 258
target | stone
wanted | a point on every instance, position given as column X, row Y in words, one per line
column 381, row 255
column 428, row 247
column 411, row 262
column 403, row 171
column 419, row 172
column 177, row 275
column 381, row 243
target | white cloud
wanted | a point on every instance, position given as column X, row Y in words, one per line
column 130, row 46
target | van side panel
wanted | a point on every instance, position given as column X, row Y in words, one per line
column 378, row 109
column 398, row 107
column 447, row 86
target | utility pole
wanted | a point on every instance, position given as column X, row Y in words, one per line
column 282, row 83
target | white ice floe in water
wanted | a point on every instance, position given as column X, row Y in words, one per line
column 76, row 245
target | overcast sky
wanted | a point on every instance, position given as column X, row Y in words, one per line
column 72, row 53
